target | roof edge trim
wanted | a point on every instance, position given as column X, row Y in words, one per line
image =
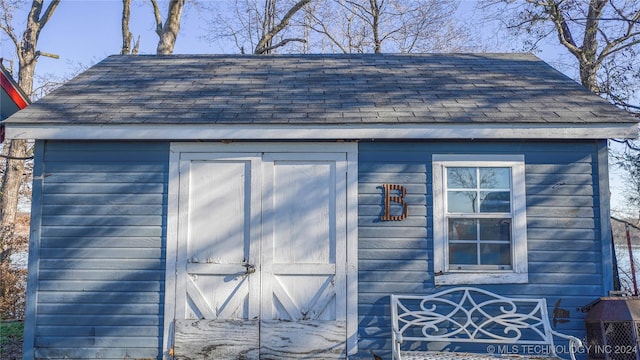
column 320, row 132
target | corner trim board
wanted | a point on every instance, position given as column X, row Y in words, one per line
column 602, row 161
column 28, row 348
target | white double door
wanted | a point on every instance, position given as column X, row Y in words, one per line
column 262, row 254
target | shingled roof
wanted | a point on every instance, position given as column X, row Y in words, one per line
column 516, row 91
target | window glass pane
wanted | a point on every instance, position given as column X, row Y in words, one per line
column 462, row 201
column 495, row 201
column 463, row 229
column 463, row 254
column 495, row 178
column 495, row 229
column 495, row 254
column 461, row 178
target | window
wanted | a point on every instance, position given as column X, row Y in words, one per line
column 479, row 219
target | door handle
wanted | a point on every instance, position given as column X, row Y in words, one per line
column 250, row 268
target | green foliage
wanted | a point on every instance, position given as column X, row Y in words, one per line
column 11, row 331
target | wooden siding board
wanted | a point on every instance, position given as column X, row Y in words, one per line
column 105, row 286
column 83, row 209
column 560, row 222
column 99, row 253
column 406, row 276
column 105, row 177
column 97, row 309
column 104, row 264
column 72, row 331
column 559, row 179
column 553, row 201
column 103, row 199
column 560, row 189
column 115, row 353
column 118, row 166
column 374, row 221
column 385, row 232
column 102, row 250
column 394, row 254
column 560, row 245
column 98, row 220
column 563, row 197
column 101, row 275
column 99, row 320
column 96, row 188
column 561, row 234
column 394, row 243
column 560, row 211
column 558, row 169
column 104, row 242
column 91, row 341
column 564, row 267
column 88, row 297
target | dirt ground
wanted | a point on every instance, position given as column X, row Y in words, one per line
column 12, row 350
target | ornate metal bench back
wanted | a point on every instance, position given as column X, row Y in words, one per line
column 467, row 314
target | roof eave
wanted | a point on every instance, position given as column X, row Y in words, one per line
column 322, row 132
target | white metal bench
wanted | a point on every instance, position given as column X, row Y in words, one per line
column 508, row 328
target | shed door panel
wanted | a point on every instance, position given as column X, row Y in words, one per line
column 304, row 237
column 221, row 241
column 217, row 305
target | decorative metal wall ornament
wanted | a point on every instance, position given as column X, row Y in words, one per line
column 388, row 199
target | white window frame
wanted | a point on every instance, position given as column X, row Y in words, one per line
column 518, row 273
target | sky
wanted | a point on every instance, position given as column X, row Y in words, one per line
column 83, row 32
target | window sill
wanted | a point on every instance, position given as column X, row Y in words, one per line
column 472, row 278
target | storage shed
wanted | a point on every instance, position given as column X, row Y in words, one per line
column 242, row 206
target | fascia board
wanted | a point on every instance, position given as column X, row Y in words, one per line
column 321, row 132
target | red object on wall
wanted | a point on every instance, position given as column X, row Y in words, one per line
column 11, row 93
column 12, row 90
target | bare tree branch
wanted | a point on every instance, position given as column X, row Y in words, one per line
column 158, row 16
column 5, row 25
column 563, row 30
column 267, row 37
column 325, row 31
column 280, row 44
column 48, row 13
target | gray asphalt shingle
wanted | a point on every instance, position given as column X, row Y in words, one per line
column 321, row 89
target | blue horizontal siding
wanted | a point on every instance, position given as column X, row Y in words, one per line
column 102, row 233
column 562, row 225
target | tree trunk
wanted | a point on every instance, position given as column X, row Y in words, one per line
column 14, row 176
column 375, row 26
column 588, row 59
column 169, row 32
column 14, row 172
column 127, row 37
